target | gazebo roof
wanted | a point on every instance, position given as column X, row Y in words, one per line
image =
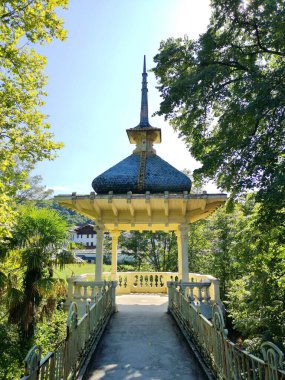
column 159, row 176
column 143, row 170
column 143, row 192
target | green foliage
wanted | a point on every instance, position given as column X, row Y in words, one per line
column 11, row 353
column 26, row 283
column 199, row 247
column 38, row 195
column 42, row 229
column 11, row 358
column 157, row 250
column 250, row 265
column 38, row 234
column 261, row 311
column 30, row 294
column 77, row 269
column 212, row 246
column 51, row 332
column 72, row 217
column 224, row 93
column 34, row 191
column 25, row 135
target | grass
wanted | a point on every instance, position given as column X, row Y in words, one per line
column 77, row 269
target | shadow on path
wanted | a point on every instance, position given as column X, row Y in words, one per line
column 142, row 341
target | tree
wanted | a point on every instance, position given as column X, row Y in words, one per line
column 36, row 193
column 34, row 190
column 155, row 249
column 200, row 247
column 134, row 244
column 257, row 296
column 24, row 134
column 72, row 217
column 38, row 236
column 223, row 228
column 213, row 247
column 225, row 94
column 249, row 263
column 30, row 295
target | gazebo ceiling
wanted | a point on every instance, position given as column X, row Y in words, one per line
column 142, row 212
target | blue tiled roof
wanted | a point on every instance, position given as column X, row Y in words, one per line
column 159, row 176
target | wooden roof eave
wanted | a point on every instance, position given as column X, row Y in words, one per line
column 142, row 209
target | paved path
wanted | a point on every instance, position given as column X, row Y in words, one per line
column 142, row 342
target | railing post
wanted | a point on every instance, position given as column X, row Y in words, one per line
column 113, row 295
column 52, row 368
column 32, row 362
column 274, row 361
column 170, row 286
column 87, row 327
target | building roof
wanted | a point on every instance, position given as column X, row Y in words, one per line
column 85, row 229
column 143, row 170
column 159, row 177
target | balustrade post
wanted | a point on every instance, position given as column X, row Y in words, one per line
column 115, row 236
column 77, row 291
column 191, row 295
column 200, row 296
column 99, row 255
column 215, row 296
column 69, row 298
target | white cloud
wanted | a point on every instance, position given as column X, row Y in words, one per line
column 78, row 188
column 59, row 188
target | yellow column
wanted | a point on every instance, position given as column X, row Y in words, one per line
column 99, row 255
column 183, row 238
column 178, row 235
column 115, row 236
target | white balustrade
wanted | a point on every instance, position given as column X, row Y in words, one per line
column 200, row 288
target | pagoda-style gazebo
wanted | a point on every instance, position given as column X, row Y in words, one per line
column 144, row 193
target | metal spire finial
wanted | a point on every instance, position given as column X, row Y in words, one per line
column 144, row 103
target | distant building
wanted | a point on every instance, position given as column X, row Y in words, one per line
column 85, row 235
column 85, row 255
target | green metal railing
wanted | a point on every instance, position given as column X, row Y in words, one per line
column 83, row 334
column 225, row 359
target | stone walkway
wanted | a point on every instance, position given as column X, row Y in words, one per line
column 142, row 342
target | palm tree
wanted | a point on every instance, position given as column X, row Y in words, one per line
column 39, row 235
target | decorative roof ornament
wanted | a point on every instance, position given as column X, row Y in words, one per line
column 144, row 103
column 143, row 170
column 144, row 131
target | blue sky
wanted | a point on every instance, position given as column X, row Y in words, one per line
column 95, row 81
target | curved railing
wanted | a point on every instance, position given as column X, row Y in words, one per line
column 225, row 359
column 82, row 336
